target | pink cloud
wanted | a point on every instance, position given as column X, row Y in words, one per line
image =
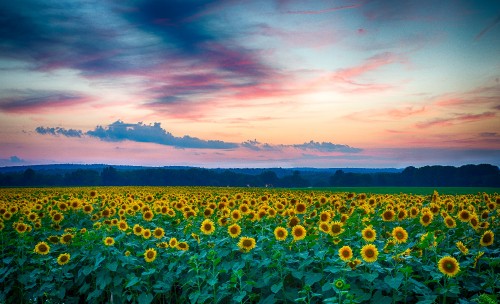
column 33, row 101
column 460, row 118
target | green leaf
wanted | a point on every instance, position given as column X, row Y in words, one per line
column 103, row 279
column 85, row 287
column 112, row 266
column 134, row 280
column 193, row 297
column 98, row 261
column 145, row 298
column 332, row 269
column 212, row 281
column 394, row 282
column 381, row 299
column 275, row 288
column 269, row 299
column 149, row 272
column 239, row 297
column 371, row 276
column 311, row 278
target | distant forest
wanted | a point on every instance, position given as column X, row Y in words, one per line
column 428, row 176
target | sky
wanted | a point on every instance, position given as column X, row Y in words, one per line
column 249, row 83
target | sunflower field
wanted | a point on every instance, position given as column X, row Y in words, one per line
column 246, row 245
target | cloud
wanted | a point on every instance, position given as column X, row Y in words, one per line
column 323, row 11
column 139, row 132
column 59, row 131
column 16, row 159
column 457, row 118
column 28, row 101
column 153, row 133
column 488, row 28
column 326, row 147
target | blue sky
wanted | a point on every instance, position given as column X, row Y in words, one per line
column 250, row 83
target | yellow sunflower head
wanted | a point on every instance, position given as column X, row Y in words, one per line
column 42, row 248
column 369, row 253
column 400, row 235
column 109, row 241
column 182, row 246
column 158, row 232
column 449, row 266
column 369, row 234
column 234, row 230
column 207, row 227
column 246, row 244
column 173, row 242
column 150, row 255
column 487, row 238
column 345, row 253
column 63, row 258
column 298, row 232
column 280, row 233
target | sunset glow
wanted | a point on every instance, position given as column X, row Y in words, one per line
column 250, row 83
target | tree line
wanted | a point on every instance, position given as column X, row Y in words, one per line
column 428, row 176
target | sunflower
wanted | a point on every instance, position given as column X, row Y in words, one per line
column 234, row 230
column 63, row 258
column 464, row 215
column 300, row 208
column 402, row 214
column 137, row 229
column 42, row 248
column 426, row 218
column 236, row 215
column 246, row 244
column 369, row 234
column 207, row 226
column 109, row 241
column 173, row 242
column 474, row 221
column 354, row 263
column 21, row 228
column 450, row 222
column 339, row 283
column 345, row 253
column 298, row 232
column 146, row 233
column 293, row 221
column 324, row 216
column 369, row 253
column 244, row 208
column 158, row 232
column 150, row 255
column 324, row 227
column 54, row 239
column 57, row 217
column 462, row 248
column 487, row 238
column 336, row 228
column 388, row 215
column 414, row 212
column 400, row 235
column 162, row 245
column 66, row 238
column 449, row 266
column 182, row 246
column 148, row 215
column 280, row 233
column 88, row 209
column 122, row 225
